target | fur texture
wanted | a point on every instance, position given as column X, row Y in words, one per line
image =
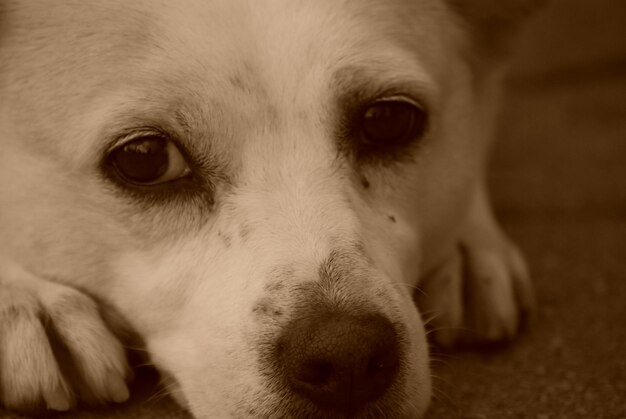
column 280, row 216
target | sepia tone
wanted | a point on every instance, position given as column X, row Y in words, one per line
column 559, row 182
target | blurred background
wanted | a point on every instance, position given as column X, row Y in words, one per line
column 559, row 183
column 559, row 180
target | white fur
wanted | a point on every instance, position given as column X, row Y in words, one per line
column 74, row 73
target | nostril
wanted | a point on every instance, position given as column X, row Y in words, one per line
column 340, row 362
column 314, row 372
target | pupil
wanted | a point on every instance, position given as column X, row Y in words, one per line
column 144, row 160
column 389, row 122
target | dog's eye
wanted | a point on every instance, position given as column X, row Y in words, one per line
column 149, row 160
column 391, row 123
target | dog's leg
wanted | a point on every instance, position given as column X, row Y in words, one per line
column 54, row 347
column 482, row 292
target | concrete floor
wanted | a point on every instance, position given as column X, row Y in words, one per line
column 559, row 180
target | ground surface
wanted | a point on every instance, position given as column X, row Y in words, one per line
column 559, row 179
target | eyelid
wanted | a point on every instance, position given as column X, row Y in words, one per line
column 399, row 98
column 136, row 133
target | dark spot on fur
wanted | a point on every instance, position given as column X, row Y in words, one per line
column 359, row 247
column 260, row 308
column 265, row 308
column 365, row 182
column 392, row 218
column 275, row 286
column 237, row 81
column 244, row 79
column 244, row 231
column 226, row 238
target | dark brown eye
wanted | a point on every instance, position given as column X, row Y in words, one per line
column 149, row 160
column 392, row 123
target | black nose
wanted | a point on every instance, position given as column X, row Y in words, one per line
column 340, row 362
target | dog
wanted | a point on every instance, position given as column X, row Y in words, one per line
column 260, row 191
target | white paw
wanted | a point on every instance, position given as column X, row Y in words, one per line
column 54, row 348
column 482, row 294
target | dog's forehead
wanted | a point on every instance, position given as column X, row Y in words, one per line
column 237, row 37
column 223, row 64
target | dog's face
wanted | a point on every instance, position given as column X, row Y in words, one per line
column 235, row 178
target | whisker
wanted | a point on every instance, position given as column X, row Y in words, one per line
column 429, row 317
column 443, row 397
column 437, row 361
column 144, row 364
column 443, row 356
column 136, row 349
column 167, row 386
column 161, row 394
column 441, row 379
column 438, row 329
column 415, row 288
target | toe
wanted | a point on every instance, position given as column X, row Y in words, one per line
column 98, row 358
column 441, row 302
column 492, row 309
column 522, row 285
column 29, row 374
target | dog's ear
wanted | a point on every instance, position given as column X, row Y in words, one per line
column 494, row 24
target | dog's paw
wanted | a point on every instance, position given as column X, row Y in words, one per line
column 55, row 349
column 482, row 294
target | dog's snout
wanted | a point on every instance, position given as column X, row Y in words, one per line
column 340, row 362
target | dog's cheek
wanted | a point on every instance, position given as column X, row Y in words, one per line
column 192, row 304
column 152, row 286
column 212, row 374
column 54, row 224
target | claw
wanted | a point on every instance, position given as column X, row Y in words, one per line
column 117, row 389
column 59, row 399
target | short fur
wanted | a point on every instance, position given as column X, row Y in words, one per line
column 280, row 214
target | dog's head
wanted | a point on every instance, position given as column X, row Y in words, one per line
column 253, row 186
